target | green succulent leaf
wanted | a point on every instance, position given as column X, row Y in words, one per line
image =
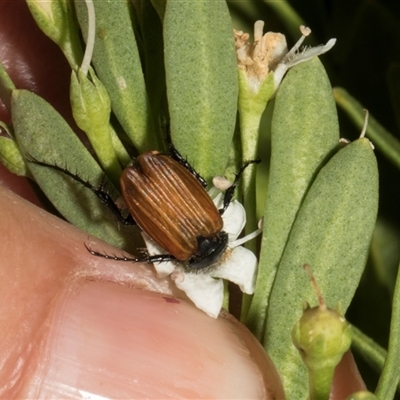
column 304, row 132
column 332, row 232
column 202, row 81
column 118, row 65
column 43, row 135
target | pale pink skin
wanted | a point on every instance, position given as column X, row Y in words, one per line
column 72, row 324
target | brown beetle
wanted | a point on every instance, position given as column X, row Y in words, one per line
column 172, row 207
column 167, row 199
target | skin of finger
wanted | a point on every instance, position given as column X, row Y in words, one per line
column 65, row 314
column 347, row 378
column 18, row 184
column 31, row 59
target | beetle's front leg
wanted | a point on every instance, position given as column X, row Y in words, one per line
column 231, row 190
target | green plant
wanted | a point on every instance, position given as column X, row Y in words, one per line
column 177, row 62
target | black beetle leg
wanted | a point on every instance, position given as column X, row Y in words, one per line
column 100, row 192
column 231, row 190
column 145, row 259
column 174, row 153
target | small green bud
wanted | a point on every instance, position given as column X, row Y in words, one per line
column 91, row 108
column 57, row 20
column 10, row 155
column 90, row 103
column 322, row 335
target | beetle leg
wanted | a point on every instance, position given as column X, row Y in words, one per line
column 100, row 192
column 145, row 259
column 231, row 190
column 174, row 153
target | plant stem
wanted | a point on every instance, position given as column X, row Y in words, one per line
column 391, row 369
column 380, row 137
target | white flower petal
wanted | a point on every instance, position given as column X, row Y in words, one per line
column 206, row 292
column 240, row 267
column 310, row 53
column 294, row 58
column 234, row 220
column 164, row 268
column 234, row 217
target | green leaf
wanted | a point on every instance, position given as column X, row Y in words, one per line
column 304, row 132
column 331, row 233
column 117, row 63
column 42, row 134
column 390, row 376
column 202, row 81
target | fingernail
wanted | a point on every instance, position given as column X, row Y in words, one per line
column 111, row 341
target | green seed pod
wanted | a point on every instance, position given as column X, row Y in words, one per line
column 332, row 232
column 322, row 335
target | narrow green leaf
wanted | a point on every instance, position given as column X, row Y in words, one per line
column 304, row 131
column 390, row 376
column 393, row 77
column 117, row 63
column 382, row 139
column 202, row 81
column 42, row 134
column 331, row 233
column 370, row 351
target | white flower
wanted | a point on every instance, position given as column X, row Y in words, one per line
column 238, row 265
column 269, row 53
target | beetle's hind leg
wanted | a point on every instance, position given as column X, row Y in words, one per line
column 99, row 191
